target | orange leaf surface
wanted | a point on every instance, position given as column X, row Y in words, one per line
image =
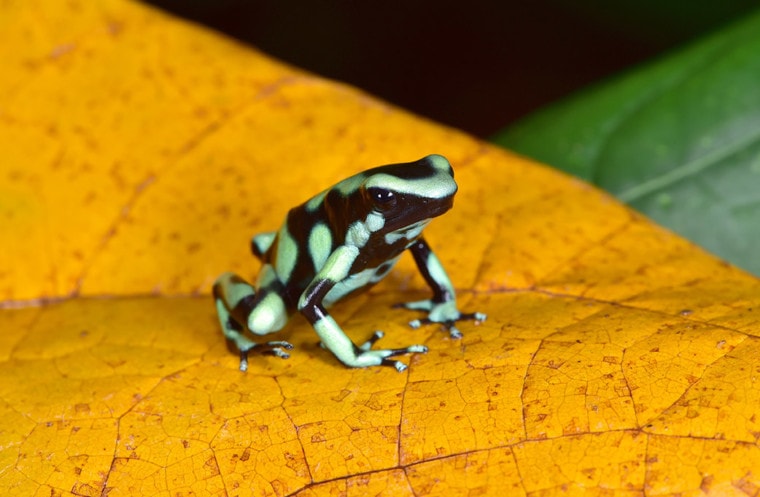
column 141, row 154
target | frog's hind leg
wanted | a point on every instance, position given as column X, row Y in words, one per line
column 240, row 308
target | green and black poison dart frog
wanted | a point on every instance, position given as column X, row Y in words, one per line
column 340, row 242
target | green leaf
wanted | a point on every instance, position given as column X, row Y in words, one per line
column 678, row 139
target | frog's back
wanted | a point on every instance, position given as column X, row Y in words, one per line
column 299, row 249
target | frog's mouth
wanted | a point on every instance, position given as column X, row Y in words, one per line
column 436, row 207
column 409, row 232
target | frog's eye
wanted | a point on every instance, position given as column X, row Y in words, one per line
column 383, row 199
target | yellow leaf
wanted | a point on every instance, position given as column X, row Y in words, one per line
column 142, row 153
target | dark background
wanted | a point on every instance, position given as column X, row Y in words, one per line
column 478, row 65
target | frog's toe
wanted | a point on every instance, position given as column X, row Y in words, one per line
column 397, row 365
column 377, row 335
column 380, row 357
column 474, row 316
column 243, row 360
column 448, row 325
column 275, row 348
column 454, row 331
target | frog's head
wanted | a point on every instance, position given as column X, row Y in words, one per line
column 409, row 195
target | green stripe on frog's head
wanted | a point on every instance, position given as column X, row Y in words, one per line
column 430, row 177
column 404, row 194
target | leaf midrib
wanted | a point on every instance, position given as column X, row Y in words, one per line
column 690, row 168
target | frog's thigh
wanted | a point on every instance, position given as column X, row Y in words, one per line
column 261, row 311
column 233, row 297
column 268, row 314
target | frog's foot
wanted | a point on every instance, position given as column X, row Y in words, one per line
column 365, row 356
column 275, row 348
column 444, row 313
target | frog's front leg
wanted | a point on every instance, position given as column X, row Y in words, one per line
column 442, row 308
column 240, row 307
column 336, row 269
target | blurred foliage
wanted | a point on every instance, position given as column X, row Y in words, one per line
column 679, row 140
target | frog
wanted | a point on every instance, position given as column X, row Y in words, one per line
column 340, row 243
